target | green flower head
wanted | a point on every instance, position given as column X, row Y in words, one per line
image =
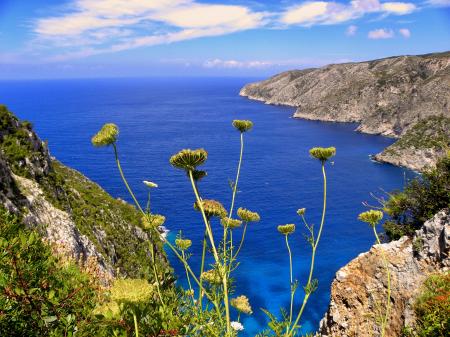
column 241, row 304
column 286, row 229
column 247, row 215
column 152, row 221
column 322, row 153
column 131, row 291
column 188, row 159
column 183, row 244
column 109, row 310
column 211, row 208
column 371, row 217
column 242, row 125
column 211, row 276
column 301, row 211
column 150, row 184
column 106, row 136
column 230, row 223
column 198, row 175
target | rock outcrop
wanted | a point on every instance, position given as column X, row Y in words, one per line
column 65, row 206
column 358, row 293
column 387, row 96
column 421, row 146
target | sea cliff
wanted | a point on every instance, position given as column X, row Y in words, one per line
column 387, row 97
column 358, row 290
column 66, row 207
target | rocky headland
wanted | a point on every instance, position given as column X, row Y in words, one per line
column 359, row 289
column 387, row 97
column 66, row 207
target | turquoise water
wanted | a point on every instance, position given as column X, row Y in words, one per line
column 157, row 117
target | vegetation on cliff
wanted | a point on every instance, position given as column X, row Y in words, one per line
column 41, row 293
column 386, row 96
column 421, row 146
column 419, row 201
column 110, row 224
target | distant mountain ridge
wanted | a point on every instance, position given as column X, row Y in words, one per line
column 387, row 96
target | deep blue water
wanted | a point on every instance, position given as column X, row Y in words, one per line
column 158, row 117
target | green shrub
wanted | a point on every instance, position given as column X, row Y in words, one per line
column 422, row 198
column 40, row 294
column 433, row 307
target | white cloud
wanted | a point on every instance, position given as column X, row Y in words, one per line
column 405, row 32
column 330, row 12
column 381, row 34
column 125, row 24
column 439, row 3
column 219, row 63
column 398, row 8
column 351, row 30
column 280, row 64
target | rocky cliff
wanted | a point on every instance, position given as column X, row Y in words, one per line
column 387, row 96
column 358, row 292
column 420, row 146
column 66, row 207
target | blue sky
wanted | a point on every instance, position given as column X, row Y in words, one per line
column 112, row 38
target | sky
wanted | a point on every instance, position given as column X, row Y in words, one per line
column 128, row 38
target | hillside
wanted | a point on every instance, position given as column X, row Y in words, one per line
column 65, row 206
column 387, row 96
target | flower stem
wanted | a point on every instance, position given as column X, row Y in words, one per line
column 242, row 241
column 233, row 197
column 187, row 276
column 313, row 255
column 125, row 180
column 156, row 274
column 291, row 282
column 202, row 268
column 388, row 297
column 216, row 256
column 136, row 329
column 147, row 209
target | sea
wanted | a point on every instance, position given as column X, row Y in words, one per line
column 157, row 117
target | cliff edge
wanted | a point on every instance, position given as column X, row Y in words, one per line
column 358, row 292
column 66, row 207
column 387, row 96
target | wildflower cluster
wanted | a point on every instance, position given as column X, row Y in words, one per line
column 106, row 136
column 241, row 304
column 214, row 284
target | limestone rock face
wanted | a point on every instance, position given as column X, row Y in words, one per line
column 387, row 96
column 57, row 225
column 67, row 208
column 358, row 293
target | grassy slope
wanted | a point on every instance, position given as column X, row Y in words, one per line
column 109, row 223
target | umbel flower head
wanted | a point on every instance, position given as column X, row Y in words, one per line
column 150, row 184
column 152, row 221
column 230, row 223
column 106, row 136
column 241, row 304
column 131, row 291
column 286, row 229
column 211, row 208
column 301, row 211
column 371, row 217
column 322, row 153
column 109, row 310
column 242, row 125
column 237, row 326
column 211, row 276
column 188, row 159
column 247, row 215
column 183, row 244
